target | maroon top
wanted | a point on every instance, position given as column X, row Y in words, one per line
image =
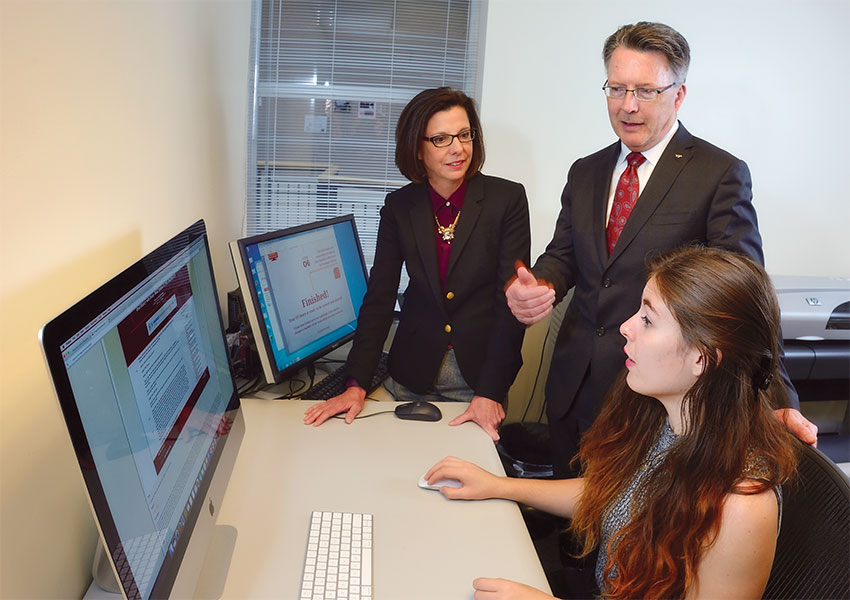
column 446, row 210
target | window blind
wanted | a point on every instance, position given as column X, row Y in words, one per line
column 329, row 80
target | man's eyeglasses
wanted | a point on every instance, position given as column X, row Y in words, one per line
column 441, row 140
column 643, row 94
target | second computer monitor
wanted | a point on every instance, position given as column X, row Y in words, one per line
column 303, row 288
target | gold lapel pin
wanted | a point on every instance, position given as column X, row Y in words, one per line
column 678, row 156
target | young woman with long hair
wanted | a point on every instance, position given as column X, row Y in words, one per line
column 681, row 472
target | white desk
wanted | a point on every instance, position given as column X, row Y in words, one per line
column 424, row 545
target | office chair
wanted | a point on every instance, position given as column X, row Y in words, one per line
column 813, row 549
column 538, row 357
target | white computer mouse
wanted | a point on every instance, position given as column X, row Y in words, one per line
column 439, row 483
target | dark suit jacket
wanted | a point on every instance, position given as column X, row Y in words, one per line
column 492, row 233
column 697, row 193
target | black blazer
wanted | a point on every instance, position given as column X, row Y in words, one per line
column 697, row 193
column 470, row 314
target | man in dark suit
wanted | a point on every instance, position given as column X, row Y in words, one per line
column 663, row 188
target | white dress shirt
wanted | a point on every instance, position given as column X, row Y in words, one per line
column 652, row 156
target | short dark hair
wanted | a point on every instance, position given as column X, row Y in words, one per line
column 652, row 37
column 411, row 129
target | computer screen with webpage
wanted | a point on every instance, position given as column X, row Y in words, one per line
column 303, row 288
column 143, row 378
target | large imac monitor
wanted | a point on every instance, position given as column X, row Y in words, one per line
column 303, row 288
column 143, row 379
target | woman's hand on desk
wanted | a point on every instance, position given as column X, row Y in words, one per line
column 487, row 413
column 503, row 589
column 351, row 402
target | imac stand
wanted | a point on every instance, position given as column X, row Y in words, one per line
column 105, row 584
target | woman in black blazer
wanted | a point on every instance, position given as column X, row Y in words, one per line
column 459, row 234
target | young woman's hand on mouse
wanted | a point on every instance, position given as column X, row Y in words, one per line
column 504, row 589
column 477, row 484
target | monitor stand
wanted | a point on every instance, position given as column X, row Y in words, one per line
column 102, row 573
column 105, row 585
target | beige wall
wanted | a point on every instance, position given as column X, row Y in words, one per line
column 121, row 122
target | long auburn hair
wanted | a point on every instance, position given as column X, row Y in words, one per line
column 726, row 307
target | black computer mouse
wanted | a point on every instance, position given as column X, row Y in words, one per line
column 418, row 411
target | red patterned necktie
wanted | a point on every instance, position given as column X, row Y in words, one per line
column 628, row 188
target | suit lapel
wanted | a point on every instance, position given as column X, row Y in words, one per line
column 599, row 198
column 673, row 160
column 472, row 205
column 422, row 224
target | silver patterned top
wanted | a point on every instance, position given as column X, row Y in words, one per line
column 618, row 515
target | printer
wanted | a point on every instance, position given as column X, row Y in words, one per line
column 815, row 318
column 815, row 313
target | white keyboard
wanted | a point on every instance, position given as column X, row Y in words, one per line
column 339, row 557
